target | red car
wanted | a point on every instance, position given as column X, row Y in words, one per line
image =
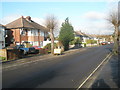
column 104, row 43
column 37, row 47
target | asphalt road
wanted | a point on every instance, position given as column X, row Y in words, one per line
column 64, row 72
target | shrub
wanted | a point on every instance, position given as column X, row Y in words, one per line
column 84, row 44
column 91, row 41
column 48, row 47
column 2, row 58
column 72, row 42
column 77, row 40
column 66, row 34
column 43, row 51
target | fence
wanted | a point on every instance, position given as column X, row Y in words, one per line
column 10, row 54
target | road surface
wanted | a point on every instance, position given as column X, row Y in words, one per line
column 63, row 72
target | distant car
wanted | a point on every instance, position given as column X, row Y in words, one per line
column 104, row 43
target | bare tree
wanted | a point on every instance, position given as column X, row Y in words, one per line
column 51, row 23
column 113, row 19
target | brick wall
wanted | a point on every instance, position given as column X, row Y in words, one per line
column 3, row 53
column 24, row 38
column 35, row 38
column 16, row 34
column 17, row 37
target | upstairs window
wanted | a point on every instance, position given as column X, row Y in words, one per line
column 23, row 32
column 41, row 33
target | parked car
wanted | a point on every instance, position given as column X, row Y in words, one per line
column 104, row 43
column 23, row 49
column 32, row 50
column 37, row 48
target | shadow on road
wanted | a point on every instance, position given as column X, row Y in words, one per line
column 100, row 84
column 33, row 82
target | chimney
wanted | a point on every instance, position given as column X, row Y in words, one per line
column 28, row 18
column 22, row 17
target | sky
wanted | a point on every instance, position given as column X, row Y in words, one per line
column 89, row 17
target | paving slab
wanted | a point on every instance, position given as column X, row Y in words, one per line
column 107, row 75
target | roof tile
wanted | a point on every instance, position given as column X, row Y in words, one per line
column 23, row 23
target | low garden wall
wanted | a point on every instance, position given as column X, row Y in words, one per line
column 10, row 54
column 13, row 54
column 3, row 54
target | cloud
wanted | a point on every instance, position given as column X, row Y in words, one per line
column 8, row 19
column 93, row 15
column 94, row 22
column 95, row 27
column 38, row 20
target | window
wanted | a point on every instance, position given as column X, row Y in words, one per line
column 46, row 34
column 34, row 32
column 29, row 32
column 42, row 33
column 23, row 31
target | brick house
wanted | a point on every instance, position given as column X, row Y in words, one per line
column 26, row 30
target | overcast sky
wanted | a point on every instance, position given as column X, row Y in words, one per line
column 89, row 17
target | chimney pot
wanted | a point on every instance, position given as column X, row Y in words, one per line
column 28, row 18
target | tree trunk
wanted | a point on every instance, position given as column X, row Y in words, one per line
column 116, row 41
column 52, row 41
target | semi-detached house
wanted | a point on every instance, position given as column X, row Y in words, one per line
column 26, row 30
column 82, row 36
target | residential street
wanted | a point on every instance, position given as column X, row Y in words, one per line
column 61, row 72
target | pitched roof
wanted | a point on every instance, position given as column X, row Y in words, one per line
column 2, row 25
column 80, row 33
column 23, row 23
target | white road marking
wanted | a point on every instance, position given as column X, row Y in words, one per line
column 108, row 56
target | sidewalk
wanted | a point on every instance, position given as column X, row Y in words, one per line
column 109, row 76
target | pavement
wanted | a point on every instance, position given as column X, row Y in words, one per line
column 107, row 76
